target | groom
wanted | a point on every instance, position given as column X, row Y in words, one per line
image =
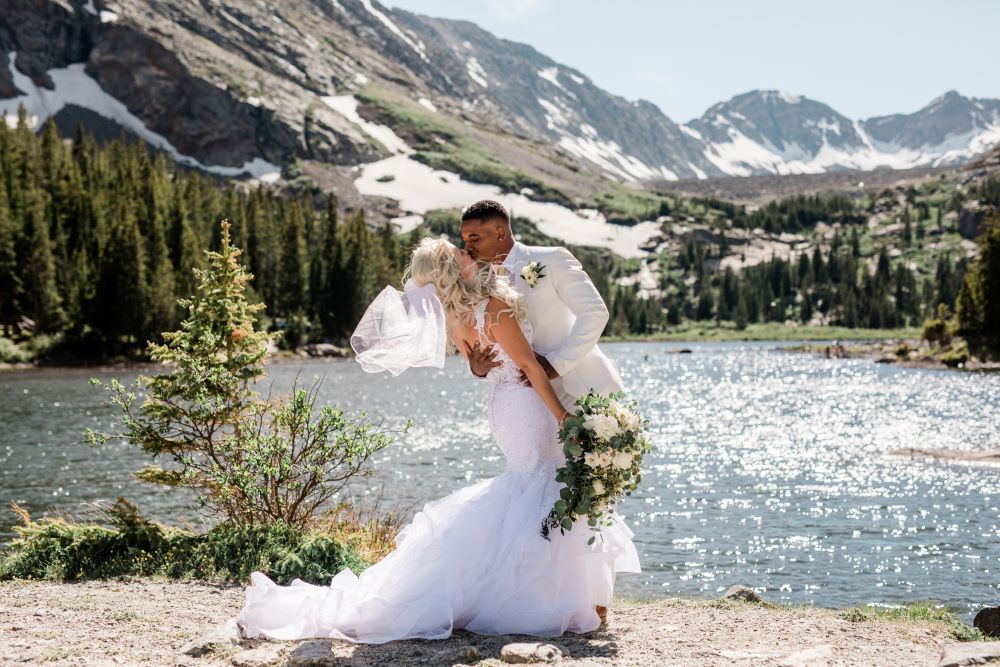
column 566, row 312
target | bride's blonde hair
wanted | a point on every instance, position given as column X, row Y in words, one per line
column 434, row 262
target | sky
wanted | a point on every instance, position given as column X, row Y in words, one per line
column 863, row 58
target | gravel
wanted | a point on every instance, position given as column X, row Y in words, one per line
column 151, row 621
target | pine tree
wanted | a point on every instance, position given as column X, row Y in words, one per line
column 979, row 300
column 358, row 270
column 293, row 276
column 10, row 281
column 326, row 276
column 40, row 298
column 185, row 247
column 742, row 317
column 121, row 285
column 160, row 287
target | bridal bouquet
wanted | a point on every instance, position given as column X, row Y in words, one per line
column 604, row 443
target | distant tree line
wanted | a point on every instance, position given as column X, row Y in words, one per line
column 98, row 242
column 832, row 283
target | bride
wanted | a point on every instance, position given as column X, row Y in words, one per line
column 474, row 559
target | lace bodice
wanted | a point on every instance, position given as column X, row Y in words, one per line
column 523, row 427
column 507, row 372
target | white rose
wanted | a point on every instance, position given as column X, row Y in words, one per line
column 593, row 459
column 603, row 426
column 622, row 460
column 629, row 420
column 598, row 487
column 607, row 457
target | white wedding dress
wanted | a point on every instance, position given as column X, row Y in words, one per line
column 474, row 559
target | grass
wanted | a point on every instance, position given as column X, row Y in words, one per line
column 917, row 611
column 629, row 205
column 127, row 545
column 771, row 331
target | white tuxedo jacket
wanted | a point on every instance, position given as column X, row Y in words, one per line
column 567, row 316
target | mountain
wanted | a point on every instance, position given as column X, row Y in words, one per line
column 247, row 87
column 773, row 132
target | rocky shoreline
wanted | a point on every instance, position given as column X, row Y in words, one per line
column 903, row 353
column 162, row 622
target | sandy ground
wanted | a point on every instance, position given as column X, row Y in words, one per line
column 149, row 621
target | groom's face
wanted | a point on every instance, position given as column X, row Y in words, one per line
column 483, row 238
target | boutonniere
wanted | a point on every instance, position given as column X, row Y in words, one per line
column 532, row 273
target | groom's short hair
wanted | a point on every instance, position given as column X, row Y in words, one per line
column 486, row 210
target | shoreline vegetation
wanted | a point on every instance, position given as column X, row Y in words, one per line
column 689, row 333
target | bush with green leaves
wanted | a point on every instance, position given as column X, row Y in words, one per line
column 248, row 459
column 131, row 546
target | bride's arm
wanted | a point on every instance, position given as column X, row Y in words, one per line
column 504, row 329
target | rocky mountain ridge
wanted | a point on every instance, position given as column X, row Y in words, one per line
column 241, row 87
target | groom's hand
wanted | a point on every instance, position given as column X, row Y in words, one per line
column 481, row 360
column 544, row 363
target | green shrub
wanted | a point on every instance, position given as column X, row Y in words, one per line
column 916, row 611
column 250, row 460
column 131, row 546
column 12, row 353
column 957, row 354
column 939, row 329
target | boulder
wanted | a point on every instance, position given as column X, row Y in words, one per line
column 987, row 621
column 970, row 653
column 268, row 654
column 743, row 593
column 326, row 350
column 531, row 652
column 456, row 655
column 224, row 634
column 315, row 653
column 970, row 220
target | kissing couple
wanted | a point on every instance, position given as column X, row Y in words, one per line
column 527, row 319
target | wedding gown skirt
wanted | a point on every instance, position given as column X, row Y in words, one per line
column 474, row 559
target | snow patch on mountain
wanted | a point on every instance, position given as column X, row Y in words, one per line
column 742, row 156
column 347, row 106
column 697, row 172
column 416, row 45
column 419, row 188
column 72, row 85
column 476, row 72
column 551, row 74
column 588, row 144
column 691, row 132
